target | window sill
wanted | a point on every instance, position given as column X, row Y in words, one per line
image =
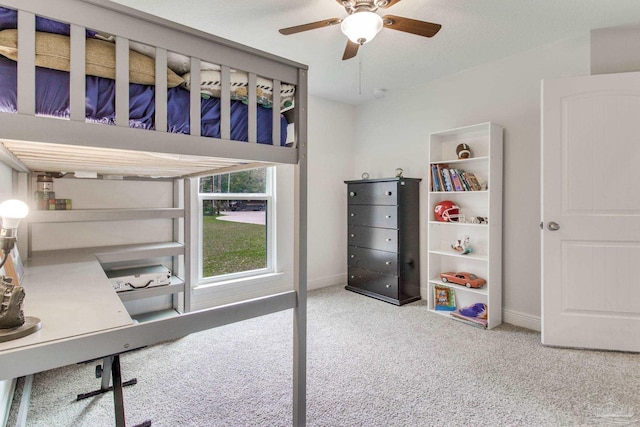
column 239, row 289
column 237, row 282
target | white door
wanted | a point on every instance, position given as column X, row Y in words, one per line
column 591, row 194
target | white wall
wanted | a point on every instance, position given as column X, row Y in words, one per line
column 5, row 182
column 614, row 50
column 393, row 132
column 94, row 193
column 331, row 138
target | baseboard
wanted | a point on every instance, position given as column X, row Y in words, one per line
column 327, row 281
column 522, row 319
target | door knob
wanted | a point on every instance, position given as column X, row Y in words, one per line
column 553, row 226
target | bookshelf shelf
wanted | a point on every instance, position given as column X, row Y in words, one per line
column 479, row 291
column 479, row 218
column 451, row 254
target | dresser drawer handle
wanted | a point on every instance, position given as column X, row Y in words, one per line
column 352, row 194
column 353, row 277
column 352, row 214
column 387, row 286
column 388, row 240
column 353, row 256
column 352, row 235
column 388, row 262
column 387, row 216
column 388, row 193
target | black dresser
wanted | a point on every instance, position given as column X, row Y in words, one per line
column 384, row 238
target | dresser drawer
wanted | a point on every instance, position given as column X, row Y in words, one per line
column 384, row 239
column 373, row 216
column 371, row 281
column 374, row 260
column 376, row 193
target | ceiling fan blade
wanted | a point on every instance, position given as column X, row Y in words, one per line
column 413, row 26
column 386, row 4
column 311, row 26
column 351, row 50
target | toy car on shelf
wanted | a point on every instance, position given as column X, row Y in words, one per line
column 469, row 280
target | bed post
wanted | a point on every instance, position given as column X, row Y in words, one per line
column 300, row 275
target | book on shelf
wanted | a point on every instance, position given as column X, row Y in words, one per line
column 474, row 314
column 435, row 182
column 463, row 179
column 455, row 179
column 446, row 177
column 473, row 182
column 440, row 179
column 444, row 298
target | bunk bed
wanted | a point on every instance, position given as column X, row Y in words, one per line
column 135, row 113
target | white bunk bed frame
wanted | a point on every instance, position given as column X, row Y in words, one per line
column 192, row 156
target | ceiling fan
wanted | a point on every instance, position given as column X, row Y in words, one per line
column 363, row 23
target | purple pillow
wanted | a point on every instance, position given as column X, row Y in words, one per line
column 9, row 19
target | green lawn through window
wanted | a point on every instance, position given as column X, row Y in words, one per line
column 231, row 247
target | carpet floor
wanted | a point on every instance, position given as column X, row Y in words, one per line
column 369, row 364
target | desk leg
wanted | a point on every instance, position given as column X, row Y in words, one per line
column 118, row 399
column 106, row 373
column 111, row 371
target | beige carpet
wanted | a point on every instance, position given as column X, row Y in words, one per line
column 369, row 364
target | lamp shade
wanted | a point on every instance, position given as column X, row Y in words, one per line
column 361, row 27
column 12, row 211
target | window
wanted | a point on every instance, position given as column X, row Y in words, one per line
column 235, row 233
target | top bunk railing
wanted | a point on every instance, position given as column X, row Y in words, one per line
column 130, row 31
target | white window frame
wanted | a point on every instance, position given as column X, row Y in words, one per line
column 269, row 197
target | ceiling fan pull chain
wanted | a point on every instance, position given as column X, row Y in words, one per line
column 360, row 71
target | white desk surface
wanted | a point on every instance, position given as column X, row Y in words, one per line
column 71, row 295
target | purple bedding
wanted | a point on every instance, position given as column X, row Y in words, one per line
column 52, row 98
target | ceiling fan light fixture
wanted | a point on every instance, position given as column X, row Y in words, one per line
column 361, row 27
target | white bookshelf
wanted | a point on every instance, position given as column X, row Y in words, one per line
column 486, row 143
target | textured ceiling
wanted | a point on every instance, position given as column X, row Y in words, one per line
column 473, row 32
